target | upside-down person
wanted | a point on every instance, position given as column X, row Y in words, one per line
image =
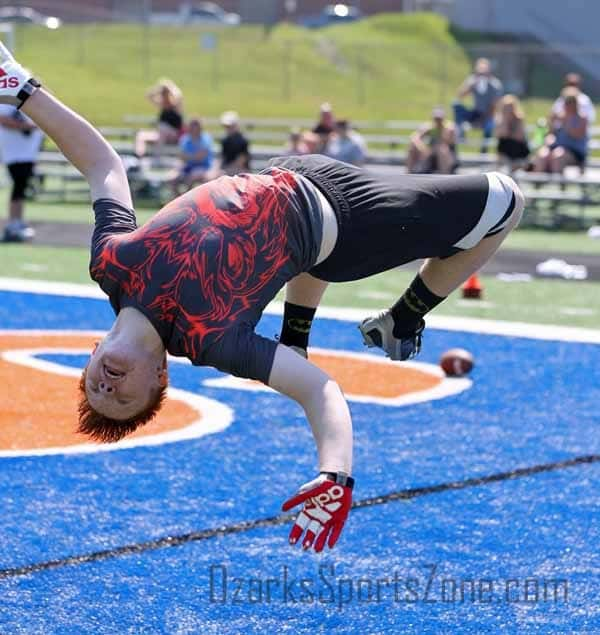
column 194, row 280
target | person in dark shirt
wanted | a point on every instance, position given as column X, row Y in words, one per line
column 235, row 154
column 195, row 279
column 168, row 99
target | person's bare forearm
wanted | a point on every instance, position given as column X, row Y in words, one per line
column 324, row 404
column 82, row 145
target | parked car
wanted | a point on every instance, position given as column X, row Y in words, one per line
column 203, row 13
column 332, row 14
column 208, row 13
column 27, row 15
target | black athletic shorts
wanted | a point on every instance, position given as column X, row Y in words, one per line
column 386, row 223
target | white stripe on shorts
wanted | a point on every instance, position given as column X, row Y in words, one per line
column 499, row 197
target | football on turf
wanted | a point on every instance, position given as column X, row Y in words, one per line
column 456, row 362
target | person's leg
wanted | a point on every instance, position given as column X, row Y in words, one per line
column 541, row 160
column 560, row 158
column 418, row 153
column 16, row 229
column 444, row 276
column 445, row 159
column 488, row 132
column 302, row 297
column 142, row 139
column 398, row 330
column 461, row 116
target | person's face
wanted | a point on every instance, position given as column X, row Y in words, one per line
column 508, row 110
column 342, row 131
column 195, row 129
column 482, row 68
column 438, row 122
column 119, row 383
column 327, row 117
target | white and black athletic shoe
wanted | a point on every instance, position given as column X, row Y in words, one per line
column 378, row 331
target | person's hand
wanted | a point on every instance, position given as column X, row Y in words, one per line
column 327, row 501
column 16, row 83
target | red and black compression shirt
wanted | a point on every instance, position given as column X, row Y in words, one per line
column 206, row 265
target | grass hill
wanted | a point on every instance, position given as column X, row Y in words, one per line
column 390, row 66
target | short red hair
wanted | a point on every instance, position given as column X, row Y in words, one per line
column 107, row 430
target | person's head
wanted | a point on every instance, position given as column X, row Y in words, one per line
column 438, row 116
column 570, row 96
column 573, row 80
column 312, row 141
column 169, row 92
column 342, row 127
column 195, row 127
column 122, row 387
column 295, row 137
column 230, row 120
column 482, row 66
column 509, row 107
column 326, row 117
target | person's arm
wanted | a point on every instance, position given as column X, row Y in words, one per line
column 15, row 124
column 78, row 140
column 327, row 499
column 579, row 130
column 324, row 404
column 465, row 87
column 82, row 145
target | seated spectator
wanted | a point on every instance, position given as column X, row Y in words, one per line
column 485, row 89
column 296, row 144
column 567, row 145
column 513, row 148
column 197, row 155
column 235, row 154
column 312, row 141
column 325, row 126
column 432, row 148
column 346, row 144
column 167, row 97
column 586, row 107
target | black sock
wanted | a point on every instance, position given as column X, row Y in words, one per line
column 412, row 306
column 297, row 321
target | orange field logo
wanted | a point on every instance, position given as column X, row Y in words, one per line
column 38, row 400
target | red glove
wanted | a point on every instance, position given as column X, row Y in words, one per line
column 327, row 501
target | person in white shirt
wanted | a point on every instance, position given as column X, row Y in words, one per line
column 584, row 103
column 20, row 141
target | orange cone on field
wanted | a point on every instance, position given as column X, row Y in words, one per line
column 472, row 288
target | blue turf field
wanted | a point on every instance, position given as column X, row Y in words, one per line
column 506, row 543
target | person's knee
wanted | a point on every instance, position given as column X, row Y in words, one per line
column 517, row 213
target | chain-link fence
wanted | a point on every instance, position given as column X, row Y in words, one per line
column 264, row 73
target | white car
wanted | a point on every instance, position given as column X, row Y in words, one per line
column 203, row 13
column 26, row 15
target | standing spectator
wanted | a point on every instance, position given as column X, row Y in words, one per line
column 325, row 126
column 485, row 90
column 346, row 144
column 296, row 144
column 197, row 155
column 432, row 148
column 168, row 98
column 568, row 144
column 235, row 154
column 513, row 147
column 586, row 107
column 20, row 141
